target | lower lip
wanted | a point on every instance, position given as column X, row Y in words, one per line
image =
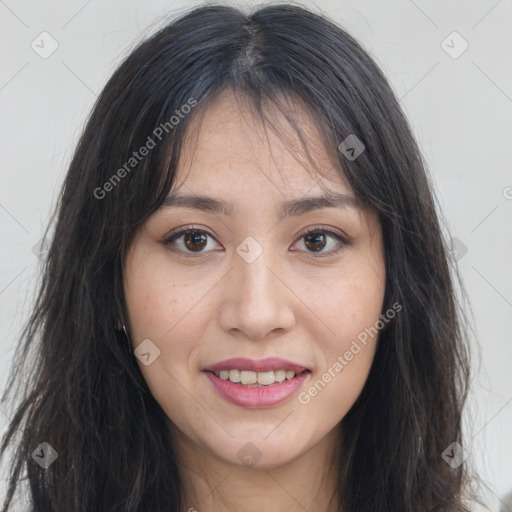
column 258, row 396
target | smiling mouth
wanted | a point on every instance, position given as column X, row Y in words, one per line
column 257, row 379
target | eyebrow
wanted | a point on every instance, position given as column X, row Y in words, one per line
column 294, row 207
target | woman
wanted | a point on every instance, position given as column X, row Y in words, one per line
column 247, row 302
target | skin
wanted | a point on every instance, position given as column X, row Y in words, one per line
column 289, row 303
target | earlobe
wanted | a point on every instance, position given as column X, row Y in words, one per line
column 121, row 327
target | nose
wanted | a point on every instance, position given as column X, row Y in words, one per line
column 257, row 302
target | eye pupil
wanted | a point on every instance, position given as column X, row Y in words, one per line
column 314, row 237
column 195, row 237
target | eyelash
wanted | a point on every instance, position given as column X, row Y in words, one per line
column 169, row 240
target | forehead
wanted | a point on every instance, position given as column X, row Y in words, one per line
column 228, row 145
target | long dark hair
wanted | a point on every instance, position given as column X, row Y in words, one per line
column 81, row 391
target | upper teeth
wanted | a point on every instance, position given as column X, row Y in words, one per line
column 262, row 378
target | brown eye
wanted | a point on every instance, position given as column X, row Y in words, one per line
column 322, row 241
column 195, row 240
column 190, row 241
column 315, row 241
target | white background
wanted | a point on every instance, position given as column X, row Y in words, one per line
column 460, row 110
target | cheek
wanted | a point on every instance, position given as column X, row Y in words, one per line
column 351, row 311
column 346, row 362
column 169, row 309
column 352, row 303
column 166, row 311
column 159, row 300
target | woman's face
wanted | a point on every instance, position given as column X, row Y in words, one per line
column 247, row 284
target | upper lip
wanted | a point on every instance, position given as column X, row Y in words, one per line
column 269, row 364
